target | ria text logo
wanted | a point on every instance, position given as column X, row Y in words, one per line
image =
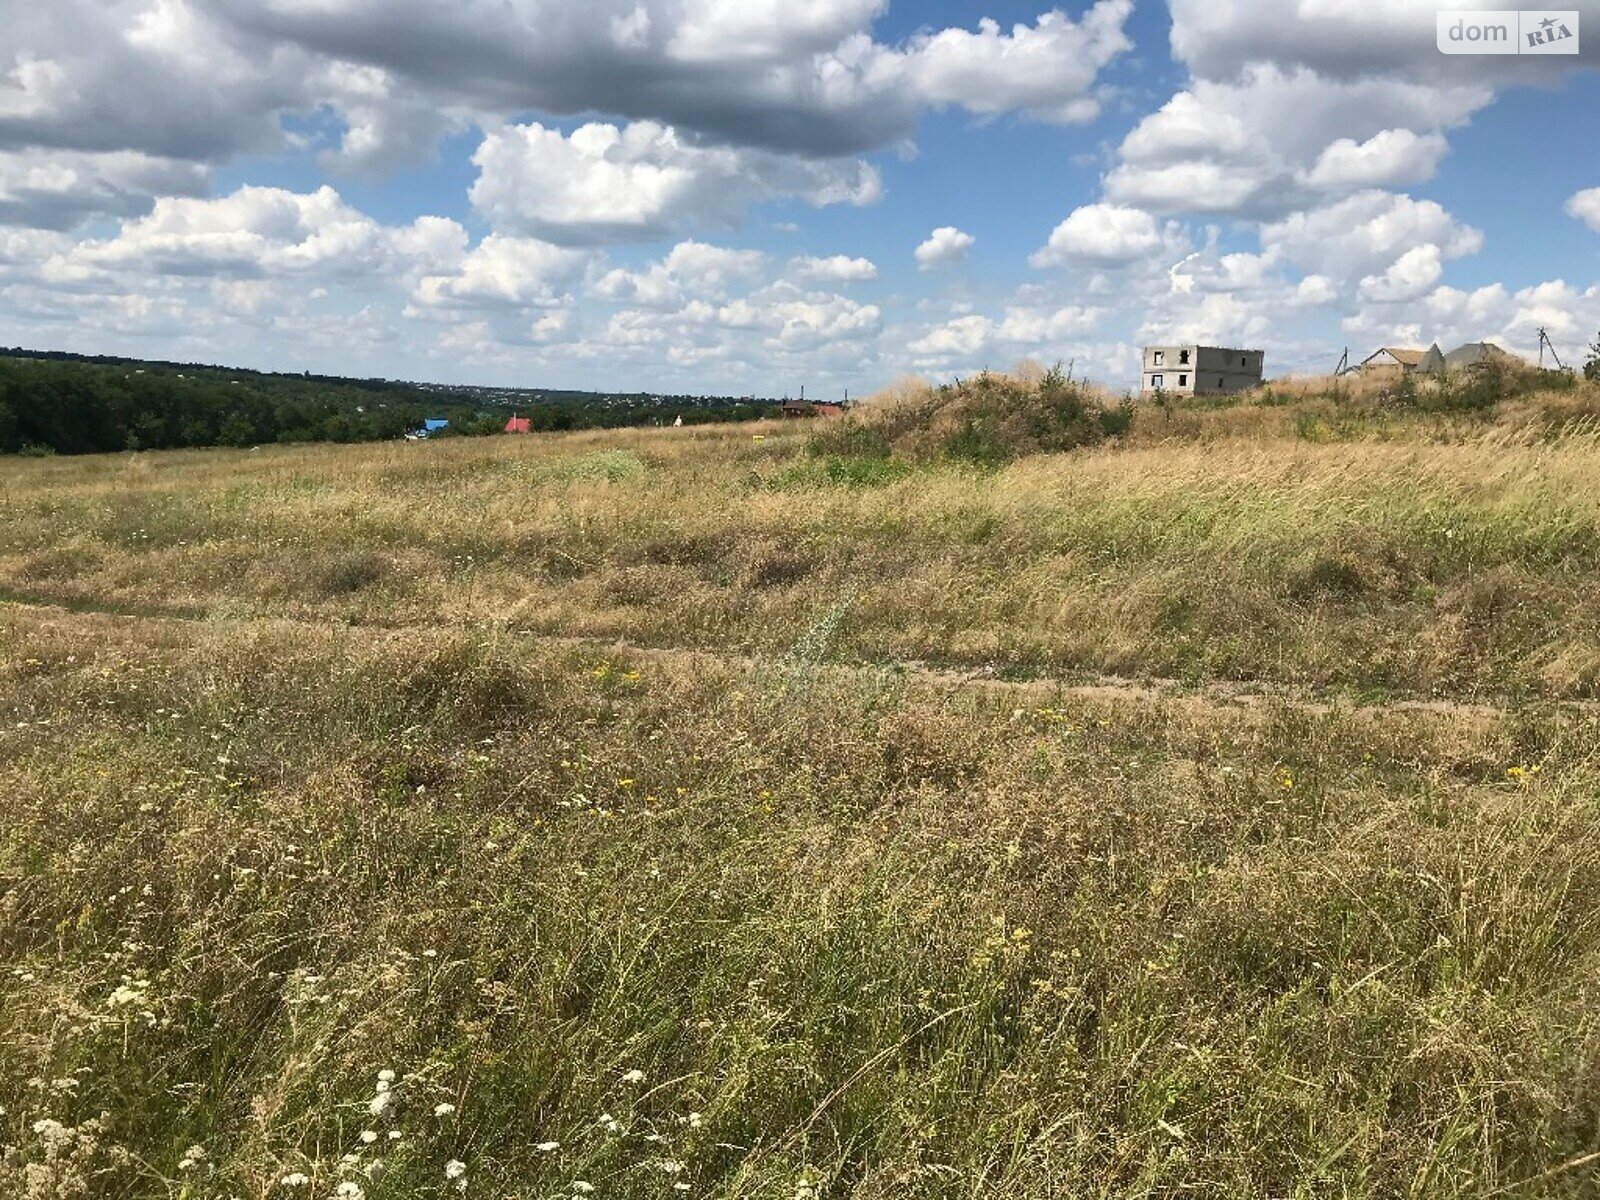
column 1508, row 31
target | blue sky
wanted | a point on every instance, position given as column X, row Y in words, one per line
column 747, row 196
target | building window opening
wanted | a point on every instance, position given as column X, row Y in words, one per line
column 1183, row 381
column 1160, row 357
column 1158, row 381
column 1183, row 358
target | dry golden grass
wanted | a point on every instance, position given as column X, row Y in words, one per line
column 1408, row 567
column 1206, row 813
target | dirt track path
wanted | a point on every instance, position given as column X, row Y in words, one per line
column 1237, row 696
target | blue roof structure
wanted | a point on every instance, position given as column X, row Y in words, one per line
column 433, row 425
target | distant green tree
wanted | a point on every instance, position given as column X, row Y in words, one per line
column 195, row 430
column 337, row 429
column 1591, row 369
column 237, row 431
column 147, row 432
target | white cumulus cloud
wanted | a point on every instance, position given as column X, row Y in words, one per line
column 59, row 189
column 1107, row 235
column 1269, row 141
column 1392, row 158
column 689, row 269
column 642, row 181
column 266, row 231
column 1585, row 207
column 1365, row 234
column 1046, row 70
column 796, row 320
column 505, row 272
column 964, row 338
column 1410, row 277
column 945, row 247
column 838, row 268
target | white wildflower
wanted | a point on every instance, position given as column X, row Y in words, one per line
column 443, row 1110
column 380, row 1103
column 696, row 1120
column 192, row 1158
column 386, row 1076
column 295, row 1179
column 671, row 1166
column 634, row 1076
column 350, row 1190
column 582, row 1187
column 125, row 996
column 51, row 1132
column 547, row 1147
column 369, row 1136
column 455, row 1169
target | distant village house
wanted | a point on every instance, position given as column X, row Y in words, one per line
column 1476, row 354
column 430, row 427
column 1406, row 361
column 1433, row 361
column 802, row 408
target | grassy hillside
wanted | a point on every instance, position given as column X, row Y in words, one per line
column 1209, row 810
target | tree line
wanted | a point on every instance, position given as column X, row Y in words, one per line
column 61, row 404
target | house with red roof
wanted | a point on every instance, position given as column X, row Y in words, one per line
column 520, row 425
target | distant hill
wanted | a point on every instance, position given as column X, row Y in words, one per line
column 52, row 401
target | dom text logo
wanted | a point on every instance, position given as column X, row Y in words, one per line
column 1508, row 31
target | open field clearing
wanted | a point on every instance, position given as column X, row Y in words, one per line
column 1209, row 812
column 1400, row 567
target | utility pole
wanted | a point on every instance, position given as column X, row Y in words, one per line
column 1544, row 340
column 1344, row 364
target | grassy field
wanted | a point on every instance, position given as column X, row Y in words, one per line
column 1212, row 810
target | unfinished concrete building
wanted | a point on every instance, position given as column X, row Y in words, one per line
column 1200, row 370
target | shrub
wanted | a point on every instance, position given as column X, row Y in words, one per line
column 987, row 421
column 1479, row 388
